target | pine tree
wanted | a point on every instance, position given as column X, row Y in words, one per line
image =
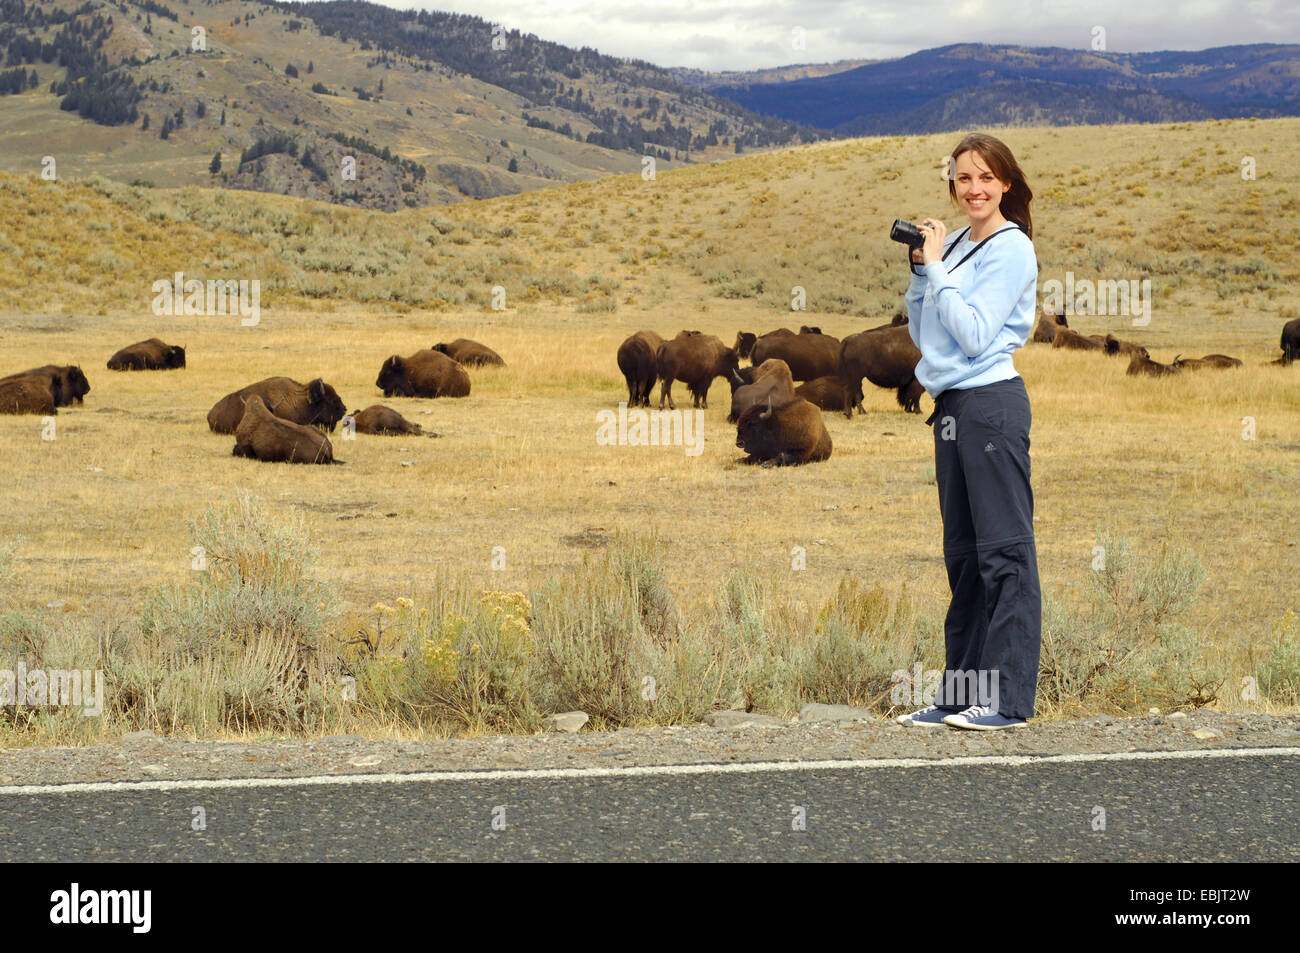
column 215, row 166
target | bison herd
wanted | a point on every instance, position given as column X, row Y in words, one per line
column 1053, row 329
column 277, row 419
column 776, row 401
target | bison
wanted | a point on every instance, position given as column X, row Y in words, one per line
column 1141, row 363
column 694, row 359
column 809, row 354
column 1291, row 340
column 262, row 435
column 382, row 421
column 470, row 353
column 424, row 374
column 30, row 394
column 636, row 359
column 1113, row 345
column 791, row 433
column 1048, row 322
column 1209, row 361
column 150, row 355
column 771, row 379
column 72, row 383
column 887, row 357
column 745, row 340
column 312, row 403
column 1072, row 340
column 826, row 392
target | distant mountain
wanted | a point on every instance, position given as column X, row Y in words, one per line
column 347, row 102
column 776, row 74
column 968, row 84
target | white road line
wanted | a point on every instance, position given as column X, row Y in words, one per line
column 670, row 770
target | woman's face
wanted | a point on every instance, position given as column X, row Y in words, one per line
column 979, row 191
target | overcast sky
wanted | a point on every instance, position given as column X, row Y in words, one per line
column 752, row 34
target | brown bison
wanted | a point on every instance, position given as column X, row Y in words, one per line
column 1291, row 340
column 150, row 355
column 1209, row 361
column 382, row 421
column 809, row 354
column 826, row 392
column 745, row 340
column 636, row 359
column 1141, row 363
column 1072, row 340
column 694, row 359
column 73, row 385
column 424, row 374
column 32, row 394
column 312, row 403
column 262, row 435
column 1048, row 322
column 791, row 433
column 771, row 380
column 470, row 353
column 1113, row 345
column 887, row 357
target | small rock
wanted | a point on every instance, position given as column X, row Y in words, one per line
column 369, row 761
column 408, row 463
column 817, row 712
column 144, row 735
column 1176, row 716
column 56, row 604
column 511, row 757
column 830, row 506
column 154, row 769
column 566, row 721
column 741, row 719
column 1207, row 734
column 95, row 469
column 1153, row 711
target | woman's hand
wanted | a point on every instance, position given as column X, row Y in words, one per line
column 935, row 232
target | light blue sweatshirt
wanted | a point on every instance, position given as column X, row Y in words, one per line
column 968, row 322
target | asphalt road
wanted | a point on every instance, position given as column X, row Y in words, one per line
column 1192, row 809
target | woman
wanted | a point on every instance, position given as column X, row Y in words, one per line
column 969, row 307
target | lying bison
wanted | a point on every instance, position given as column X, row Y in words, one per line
column 1291, row 340
column 262, row 435
column 636, row 359
column 72, row 383
column 887, row 357
column 1073, row 341
column 1220, row 361
column 31, row 394
column 470, row 353
column 826, row 392
column 771, row 380
column 1048, row 322
column 424, row 374
column 150, row 355
column 791, row 433
column 382, row 421
column 809, row 354
column 694, row 359
column 1113, row 345
column 1141, row 363
column 312, row 403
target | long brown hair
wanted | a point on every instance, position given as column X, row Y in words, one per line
column 1015, row 201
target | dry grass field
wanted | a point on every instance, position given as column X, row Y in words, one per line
column 102, row 509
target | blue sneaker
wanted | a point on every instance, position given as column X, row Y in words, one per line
column 928, row 717
column 983, row 718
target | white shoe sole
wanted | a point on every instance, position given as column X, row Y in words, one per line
column 956, row 721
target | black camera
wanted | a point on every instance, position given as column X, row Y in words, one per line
column 907, row 234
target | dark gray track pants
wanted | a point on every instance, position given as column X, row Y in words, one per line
column 993, row 631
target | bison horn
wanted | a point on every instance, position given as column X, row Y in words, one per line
column 764, row 416
column 736, row 374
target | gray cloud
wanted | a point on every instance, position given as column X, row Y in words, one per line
column 754, row 34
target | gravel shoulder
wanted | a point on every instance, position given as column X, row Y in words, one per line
column 820, row 733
